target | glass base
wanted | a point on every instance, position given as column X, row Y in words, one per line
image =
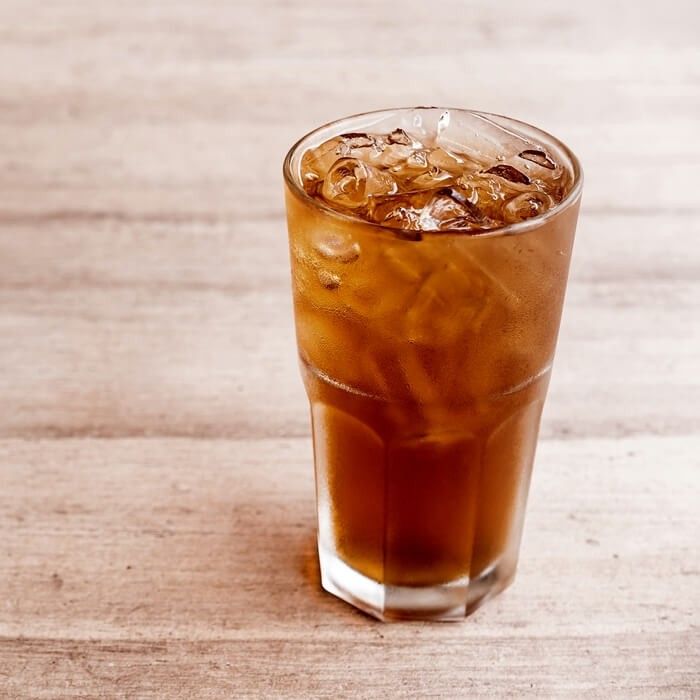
column 446, row 602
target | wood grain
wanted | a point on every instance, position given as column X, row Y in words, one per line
column 156, row 496
column 148, row 558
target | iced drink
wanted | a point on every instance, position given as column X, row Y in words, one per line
column 430, row 250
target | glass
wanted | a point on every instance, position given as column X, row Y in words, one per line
column 426, row 359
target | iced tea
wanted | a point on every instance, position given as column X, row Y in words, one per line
column 430, row 250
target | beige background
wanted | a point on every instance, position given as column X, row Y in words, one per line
column 156, row 497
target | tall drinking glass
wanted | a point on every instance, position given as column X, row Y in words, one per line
column 426, row 351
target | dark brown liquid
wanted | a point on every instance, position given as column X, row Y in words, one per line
column 411, row 509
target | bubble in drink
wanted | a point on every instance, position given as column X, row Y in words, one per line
column 328, row 279
column 335, row 246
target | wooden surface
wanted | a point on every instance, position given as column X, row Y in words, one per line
column 156, row 496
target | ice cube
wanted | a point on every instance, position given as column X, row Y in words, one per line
column 394, row 149
column 430, row 179
column 402, row 138
column 526, row 205
column 351, row 182
column 316, row 162
column 414, row 164
column 539, row 157
column 446, row 206
column 398, row 212
column 484, row 165
column 351, row 142
column 446, row 160
column 480, row 137
column 508, row 172
column 486, row 194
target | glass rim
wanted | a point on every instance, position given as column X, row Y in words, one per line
column 508, row 229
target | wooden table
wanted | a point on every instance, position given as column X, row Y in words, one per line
column 156, row 497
